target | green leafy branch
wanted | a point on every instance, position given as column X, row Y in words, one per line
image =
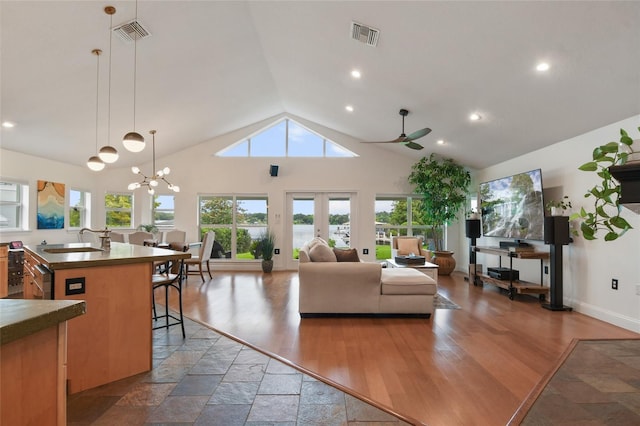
column 605, row 215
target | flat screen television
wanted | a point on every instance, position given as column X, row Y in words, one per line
column 513, row 206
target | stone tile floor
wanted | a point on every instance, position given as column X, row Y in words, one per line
column 210, row 379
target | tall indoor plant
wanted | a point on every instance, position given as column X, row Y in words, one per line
column 443, row 185
column 605, row 213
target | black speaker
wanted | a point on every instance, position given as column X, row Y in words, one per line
column 556, row 230
column 473, row 228
column 273, row 170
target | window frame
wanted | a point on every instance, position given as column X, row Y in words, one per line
column 119, row 209
column 85, row 208
column 154, row 210
column 21, row 204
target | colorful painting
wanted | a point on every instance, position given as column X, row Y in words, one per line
column 50, row 205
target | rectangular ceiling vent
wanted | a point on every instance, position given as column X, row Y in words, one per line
column 131, row 31
column 364, row 34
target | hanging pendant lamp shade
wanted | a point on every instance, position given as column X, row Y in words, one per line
column 107, row 153
column 95, row 163
column 133, row 141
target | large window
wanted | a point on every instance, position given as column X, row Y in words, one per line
column 163, row 211
column 79, row 209
column 14, row 205
column 286, row 138
column 237, row 221
column 399, row 215
column 119, row 210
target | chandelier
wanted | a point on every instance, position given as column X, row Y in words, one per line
column 152, row 181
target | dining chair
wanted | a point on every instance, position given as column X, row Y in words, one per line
column 204, row 255
column 175, row 236
column 170, row 277
column 117, row 237
column 138, row 238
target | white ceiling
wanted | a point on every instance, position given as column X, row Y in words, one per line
column 211, row 67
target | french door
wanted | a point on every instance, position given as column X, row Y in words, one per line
column 317, row 214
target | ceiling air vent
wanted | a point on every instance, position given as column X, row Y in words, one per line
column 131, row 31
column 364, row 34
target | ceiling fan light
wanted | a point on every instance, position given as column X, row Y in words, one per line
column 108, row 154
column 95, row 163
column 133, row 142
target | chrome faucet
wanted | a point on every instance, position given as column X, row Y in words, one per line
column 105, row 237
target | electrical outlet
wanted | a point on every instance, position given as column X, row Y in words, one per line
column 365, row 251
column 546, row 270
column 276, row 251
column 614, row 284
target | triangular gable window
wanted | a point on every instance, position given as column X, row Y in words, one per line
column 285, row 138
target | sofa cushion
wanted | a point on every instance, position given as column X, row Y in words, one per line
column 346, row 255
column 303, row 254
column 322, row 253
column 407, row 246
column 406, row 281
column 316, row 241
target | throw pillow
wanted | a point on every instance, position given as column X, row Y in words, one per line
column 322, row 253
column 407, row 246
column 316, row 241
column 346, row 255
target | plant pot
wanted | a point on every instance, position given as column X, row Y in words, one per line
column 445, row 261
column 267, row 266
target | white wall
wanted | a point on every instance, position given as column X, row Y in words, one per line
column 589, row 266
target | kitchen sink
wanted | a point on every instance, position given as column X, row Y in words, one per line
column 70, row 249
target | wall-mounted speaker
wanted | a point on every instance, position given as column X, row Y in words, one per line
column 273, row 170
column 473, row 229
column 556, row 230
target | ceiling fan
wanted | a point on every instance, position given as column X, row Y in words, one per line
column 405, row 140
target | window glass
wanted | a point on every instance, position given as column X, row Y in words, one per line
column 237, row 221
column 270, row 143
column 303, row 143
column 398, row 216
column 79, row 208
column 13, row 205
column 119, row 210
column 163, row 211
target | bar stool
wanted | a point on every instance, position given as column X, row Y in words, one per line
column 171, row 277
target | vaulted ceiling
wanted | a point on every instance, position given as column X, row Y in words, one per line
column 211, row 67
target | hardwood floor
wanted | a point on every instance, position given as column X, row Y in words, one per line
column 474, row 365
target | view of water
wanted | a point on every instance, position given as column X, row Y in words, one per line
column 304, row 233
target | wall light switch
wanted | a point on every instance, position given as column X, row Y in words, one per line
column 365, row 251
column 276, row 251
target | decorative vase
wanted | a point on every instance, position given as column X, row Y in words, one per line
column 267, row 266
column 445, row 261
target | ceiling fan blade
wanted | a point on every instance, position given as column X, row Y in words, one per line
column 413, row 145
column 418, row 134
column 401, row 138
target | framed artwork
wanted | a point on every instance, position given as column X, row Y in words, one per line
column 50, row 205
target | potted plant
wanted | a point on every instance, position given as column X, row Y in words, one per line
column 266, row 245
column 605, row 214
column 558, row 207
column 443, row 185
column 148, row 228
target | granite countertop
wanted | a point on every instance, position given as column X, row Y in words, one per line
column 65, row 256
column 20, row 318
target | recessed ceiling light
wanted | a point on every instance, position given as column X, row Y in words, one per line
column 349, row 108
column 543, row 66
column 440, row 141
column 356, row 74
column 8, row 124
column 475, row 117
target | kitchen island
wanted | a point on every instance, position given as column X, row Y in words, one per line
column 33, row 348
column 113, row 340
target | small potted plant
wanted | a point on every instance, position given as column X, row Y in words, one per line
column 266, row 245
column 558, row 207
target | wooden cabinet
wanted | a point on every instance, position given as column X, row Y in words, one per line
column 512, row 286
column 4, row 271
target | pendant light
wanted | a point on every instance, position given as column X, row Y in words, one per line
column 134, row 141
column 152, row 181
column 94, row 162
column 107, row 153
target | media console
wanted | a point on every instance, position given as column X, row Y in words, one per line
column 512, row 283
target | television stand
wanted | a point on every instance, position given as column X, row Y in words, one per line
column 513, row 286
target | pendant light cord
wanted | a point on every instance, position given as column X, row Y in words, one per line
column 97, row 52
column 135, row 66
column 109, row 102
